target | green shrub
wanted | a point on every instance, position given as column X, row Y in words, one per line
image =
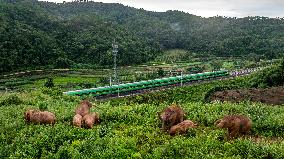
column 132, row 130
column 272, row 76
column 12, row 99
column 49, row 83
column 42, row 106
column 161, row 72
column 195, row 69
column 63, row 63
column 54, row 92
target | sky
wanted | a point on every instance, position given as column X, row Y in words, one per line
column 208, row 8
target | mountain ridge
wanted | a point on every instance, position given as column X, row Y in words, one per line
column 73, row 34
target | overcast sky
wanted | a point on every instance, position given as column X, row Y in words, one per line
column 208, row 8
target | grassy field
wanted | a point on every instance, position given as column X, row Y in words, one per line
column 133, row 130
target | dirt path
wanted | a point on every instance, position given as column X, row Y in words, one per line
column 274, row 95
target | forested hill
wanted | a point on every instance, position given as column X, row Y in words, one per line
column 48, row 35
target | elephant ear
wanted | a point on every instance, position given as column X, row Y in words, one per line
column 217, row 122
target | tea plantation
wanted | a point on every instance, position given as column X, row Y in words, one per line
column 133, row 130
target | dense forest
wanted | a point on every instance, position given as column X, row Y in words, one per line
column 48, row 35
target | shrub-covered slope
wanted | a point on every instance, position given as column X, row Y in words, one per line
column 33, row 38
column 49, row 35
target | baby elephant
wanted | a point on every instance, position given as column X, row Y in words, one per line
column 236, row 124
column 171, row 116
column 90, row 119
column 182, row 127
column 40, row 117
column 84, row 108
column 77, row 120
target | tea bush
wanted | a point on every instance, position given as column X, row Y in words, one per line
column 133, row 131
column 12, row 99
column 271, row 76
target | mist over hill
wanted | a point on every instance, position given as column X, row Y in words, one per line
column 48, row 35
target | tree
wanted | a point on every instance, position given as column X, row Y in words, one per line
column 195, row 69
column 161, row 72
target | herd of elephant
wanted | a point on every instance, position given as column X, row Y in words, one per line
column 83, row 117
column 172, row 119
column 173, row 122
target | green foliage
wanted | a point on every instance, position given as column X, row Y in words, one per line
column 55, row 91
column 133, row 131
column 63, row 63
column 50, row 35
column 80, row 35
column 14, row 83
column 216, row 65
column 49, row 83
column 81, row 85
column 12, row 99
column 42, row 106
column 172, row 56
column 271, row 76
column 195, row 69
column 161, row 72
column 48, row 41
column 228, row 65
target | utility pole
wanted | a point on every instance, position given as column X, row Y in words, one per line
column 181, row 78
column 114, row 52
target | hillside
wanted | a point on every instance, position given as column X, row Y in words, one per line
column 48, row 35
column 33, row 38
column 222, row 36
